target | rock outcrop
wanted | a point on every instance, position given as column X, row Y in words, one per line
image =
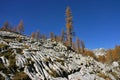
column 24, row 58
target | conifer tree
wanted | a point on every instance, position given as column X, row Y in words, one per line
column 78, row 44
column 58, row 38
column 101, row 58
column 6, row 26
column 37, row 35
column 55, row 37
column 115, row 53
column 109, row 57
column 52, row 36
column 83, row 46
column 33, row 35
column 62, row 36
column 20, row 27
column 74, row 46
column 44, row 37
column 69, row 26
column 15, row 29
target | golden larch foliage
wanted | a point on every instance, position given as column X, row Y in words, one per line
column 21, row 27
column 44, row 37
column 116, row 53
column 62, row 36
column 89, row 53
column 78, row 44
column 37, row 35
column 101, row 58
column 6, row 26
column 52, row 35
column 33, row 35
column 15, row 29
column 74, row 46
column 69, row 26
column 83, row 46
column 108, row 56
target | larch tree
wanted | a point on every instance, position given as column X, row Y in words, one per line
column 44, row 37
column 83, row 46
column 115, row 53
column 58, row 38
column 15, row 29
column 62, row 36
column 101, row 58
column 69, row 26
column 52, row 35
column 6, row 26
column 74, row 46
column 33, row 35
column 78, row 44
column 37, row 35
column 109, row 57
column 21, row 27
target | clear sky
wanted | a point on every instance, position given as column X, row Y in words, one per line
column 97, row 22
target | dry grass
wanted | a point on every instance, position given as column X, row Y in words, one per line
column 2, row 67
column 3, row 46
column 53, row 73
column 1, row 77
column 21, row 76
column 115, row 75
column 104, row 76
column 26, row 46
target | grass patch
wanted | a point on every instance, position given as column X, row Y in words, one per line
column 11, row 58
column 3, row 46
column 53, row 73
column 7, row 53
column 12, row 62
column 1, row 77
column 19, row 51
column 2, row 67
column 8, row 40
column 30, row 63
column 60, row 61
column 21, row 76
column 115, row 75
column 26, row 46
column 104, row 76
column 19, row 39
column 47, row 59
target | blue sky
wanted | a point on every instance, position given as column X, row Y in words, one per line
column 97, row 22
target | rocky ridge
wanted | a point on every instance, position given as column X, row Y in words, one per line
column 99, row 52
column 22, row 57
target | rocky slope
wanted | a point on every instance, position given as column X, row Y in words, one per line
column 99, row 52
column 23, row 58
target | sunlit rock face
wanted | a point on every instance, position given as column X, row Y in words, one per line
column 99, row 52
column 27, row 59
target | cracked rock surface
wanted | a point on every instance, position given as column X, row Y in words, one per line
column 27, row 59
